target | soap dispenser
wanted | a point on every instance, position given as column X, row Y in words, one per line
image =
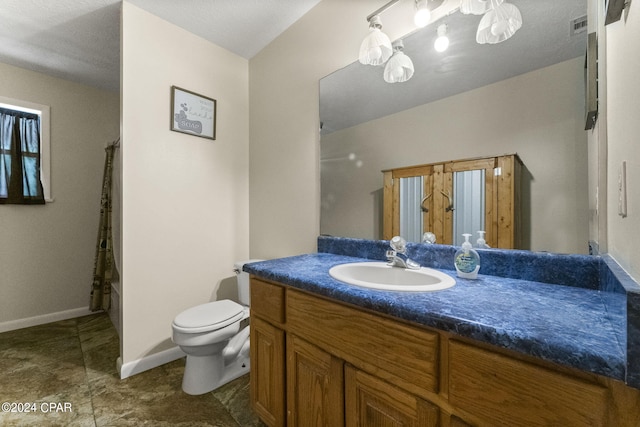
column 467, row 260
column 481, row 243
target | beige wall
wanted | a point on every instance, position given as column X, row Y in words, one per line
column 623, row 111
column 185, row 199
column 46, row 273
column 284, row 153
column 538, row 115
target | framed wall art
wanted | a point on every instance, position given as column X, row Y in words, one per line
column 192, row 113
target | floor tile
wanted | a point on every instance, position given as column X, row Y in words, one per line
column 66, row 371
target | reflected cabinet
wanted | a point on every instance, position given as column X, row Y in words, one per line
column 455, row 197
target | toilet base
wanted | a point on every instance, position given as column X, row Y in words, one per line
column 203, row 374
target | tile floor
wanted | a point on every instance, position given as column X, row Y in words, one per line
column 65, row 374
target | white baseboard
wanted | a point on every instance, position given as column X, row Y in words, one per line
column 12, row 325
column 148, row 362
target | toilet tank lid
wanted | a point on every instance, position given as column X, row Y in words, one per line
column 209, row 316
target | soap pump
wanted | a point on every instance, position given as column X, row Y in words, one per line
column 467, row 260
column 481, row 243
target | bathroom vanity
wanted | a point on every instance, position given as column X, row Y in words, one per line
column 327, row 353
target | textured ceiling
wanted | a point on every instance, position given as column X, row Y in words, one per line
column 358, row 93
column 79, row 40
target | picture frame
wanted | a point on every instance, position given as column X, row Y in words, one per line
column 192, row 113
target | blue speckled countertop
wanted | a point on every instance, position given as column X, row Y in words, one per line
column 568, row 325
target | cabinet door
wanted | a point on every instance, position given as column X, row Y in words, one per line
column 371, row 402
column 315, row 386
column 267, row 372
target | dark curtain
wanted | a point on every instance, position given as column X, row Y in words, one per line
column 20, row 158
column 104, row 268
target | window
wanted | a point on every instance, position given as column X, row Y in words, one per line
column 24, row 152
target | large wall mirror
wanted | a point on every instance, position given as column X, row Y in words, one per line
column 525, row 95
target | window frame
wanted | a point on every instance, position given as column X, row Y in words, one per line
column 45, row 141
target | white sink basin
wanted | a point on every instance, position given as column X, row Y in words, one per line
column 379, row 275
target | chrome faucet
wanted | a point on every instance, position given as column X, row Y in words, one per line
column 397, row 255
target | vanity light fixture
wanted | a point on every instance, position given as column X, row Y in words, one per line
column 442, row 42
column 399, row 68
column 423, row 14
column 499, row 23
column 376, row 47
column 474, row 7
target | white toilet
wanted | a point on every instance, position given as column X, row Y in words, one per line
column 217, row 349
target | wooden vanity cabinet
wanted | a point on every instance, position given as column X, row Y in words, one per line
column 317, row 362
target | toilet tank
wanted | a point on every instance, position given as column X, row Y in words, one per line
column 243, row 281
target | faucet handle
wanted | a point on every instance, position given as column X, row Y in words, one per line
column 398, row 244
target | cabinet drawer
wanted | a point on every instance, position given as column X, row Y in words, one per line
column 267, row 301
column 397, row 353
column 508, row 392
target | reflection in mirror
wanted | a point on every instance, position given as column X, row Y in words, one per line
column 468, row 204
column 525, row 96
column 411, row 195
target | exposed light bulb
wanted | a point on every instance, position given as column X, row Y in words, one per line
column 422, row 18
column 423, row 14
column 442, row 42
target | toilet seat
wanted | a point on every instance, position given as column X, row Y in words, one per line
column 208, row 317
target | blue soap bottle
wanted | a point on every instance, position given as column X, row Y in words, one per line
column 467, row 260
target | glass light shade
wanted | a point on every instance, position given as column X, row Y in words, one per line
column 499, row 23
column 375, row 48
column 475, row 7
column 399, row 68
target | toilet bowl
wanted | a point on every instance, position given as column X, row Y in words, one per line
column 216, row 345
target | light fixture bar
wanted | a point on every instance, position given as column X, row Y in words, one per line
column 382, row 9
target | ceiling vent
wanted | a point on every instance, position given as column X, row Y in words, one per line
column 578, row 25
